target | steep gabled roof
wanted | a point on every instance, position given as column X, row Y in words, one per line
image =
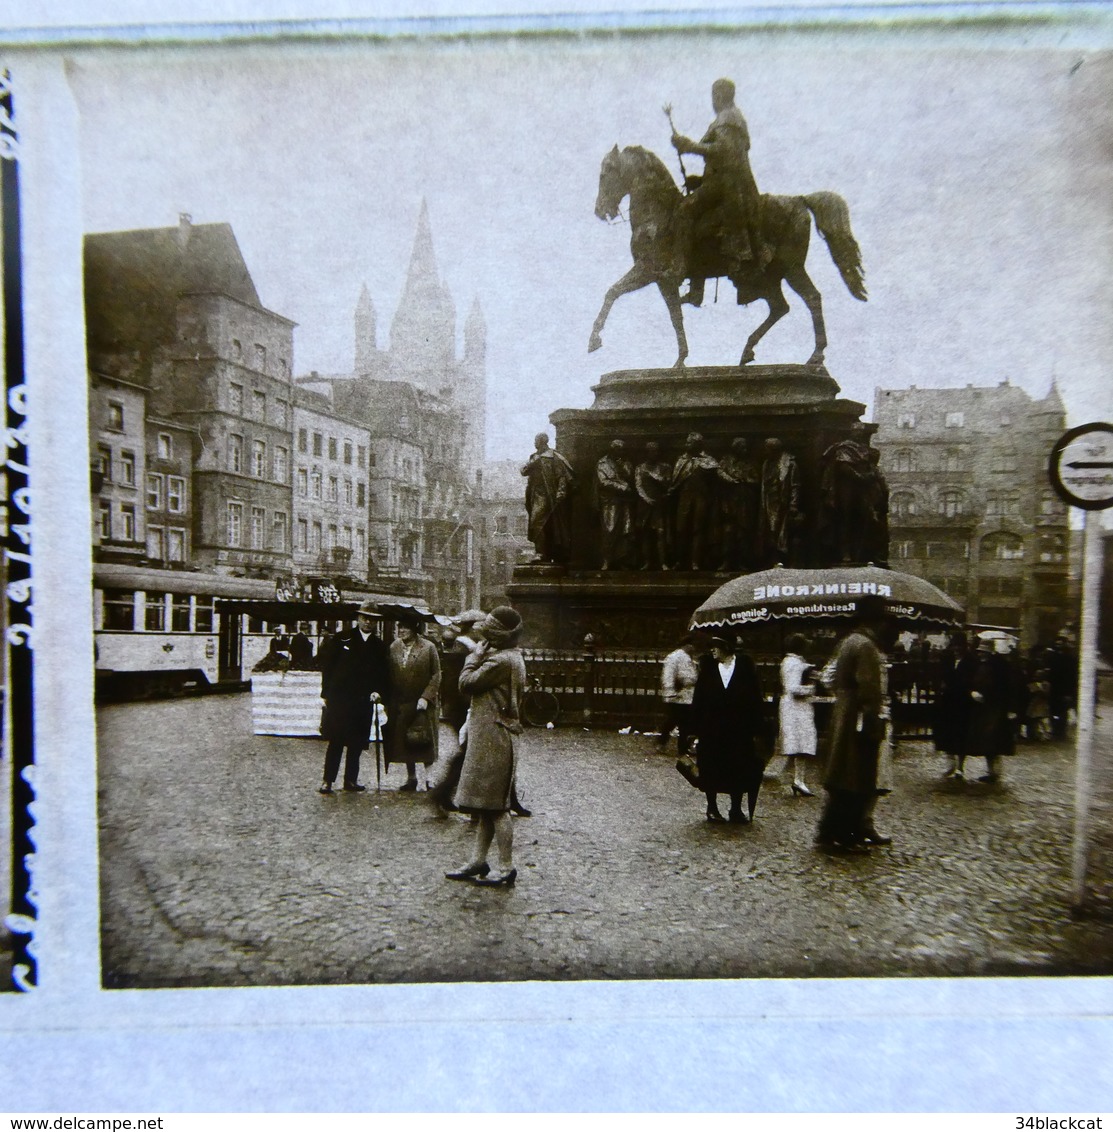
column 133, row 281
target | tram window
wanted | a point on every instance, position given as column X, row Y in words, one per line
column 203, row 615
column 255, row 625
column 119, row 609
column 155, row 613
column 179, row 613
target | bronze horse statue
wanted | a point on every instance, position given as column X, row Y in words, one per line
column 657, row 244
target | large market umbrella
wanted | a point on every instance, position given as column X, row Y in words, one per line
column 787, row 595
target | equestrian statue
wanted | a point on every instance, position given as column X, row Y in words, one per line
column 721, row 227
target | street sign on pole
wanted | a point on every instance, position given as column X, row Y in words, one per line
column 1081, row 471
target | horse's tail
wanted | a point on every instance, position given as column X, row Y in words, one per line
column 832, row 218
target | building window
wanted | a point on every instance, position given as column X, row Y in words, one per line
column 361, row 455
column 316, row 545
column 176, row 544
column 1003, row 547
column 952, row 460
column 154, row 495
column 331, row 536
column 154, row 612
column 258, row 523
column 318, row 444
column 235, row 524
column 1053, row 548
column 315, row 485
column 154, row 543
column 502, row 525
column 260, row 358
column 281, row 463
column 104, row 462
column 127, row 522
column 259, row 459
column 520, row 525
column 346, row 538
column 902, row 505
column 347, row 451
column 954, row 420
column 361, row 545
column 404, row 422
column 361, row 494
column 303, row 482
column 332, row 448
column 104, row 519
column 333, row 489
column 259, row 405
column 303, row 440
column 115, row 416
column 119, row 610
column 179, row 612
column 905, row 549
column 348, row 492
column 235, row 453
column 165, row 446
column 303, row 534
column 282, row 412
column 904, row 460
column 1005, row 460
column 284, row 366
column 127, row 468
column 278, row 532
column 175, row 494
column 906, row 420
column 371, row 459
column 235, row 399
column 951, row 504
column 237, row 349
column 1050, row 504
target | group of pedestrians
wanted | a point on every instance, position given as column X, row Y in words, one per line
column 715, row 703
column 391, row 693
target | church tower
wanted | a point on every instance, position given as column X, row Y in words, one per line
column 423, row 332
column 472, row 389
column 364, row 332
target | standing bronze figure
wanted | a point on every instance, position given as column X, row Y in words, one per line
column 693, row 485
column 782, row 518
column 659, row 243
column 614, row 496
column 651, row 515
column 549, row 482
column 739, row 500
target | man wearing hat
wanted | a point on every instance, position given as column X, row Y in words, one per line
column 355, row 677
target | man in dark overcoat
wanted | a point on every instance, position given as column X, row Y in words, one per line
column 355, row 677
column 728, row 719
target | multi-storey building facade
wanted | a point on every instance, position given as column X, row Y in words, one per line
column 169, row 491
column 971, row 509
column 174, row 311
column 118, row 448
column 425, row 410
column 330, row 461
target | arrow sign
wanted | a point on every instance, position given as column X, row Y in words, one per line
column 1077, row 469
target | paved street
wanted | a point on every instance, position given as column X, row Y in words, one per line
column 222, row 866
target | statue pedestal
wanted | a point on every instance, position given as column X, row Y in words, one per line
column 627, row 608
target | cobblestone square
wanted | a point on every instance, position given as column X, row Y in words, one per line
column 221, row 865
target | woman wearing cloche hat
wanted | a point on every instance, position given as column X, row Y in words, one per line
column 494, row 676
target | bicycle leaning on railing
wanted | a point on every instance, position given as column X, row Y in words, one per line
column 539, row 708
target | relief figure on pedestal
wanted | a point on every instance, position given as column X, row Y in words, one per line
column 615, row 497
column 739, row 505
column 693, row 488
column 847, row 490
column 782, row 518
column 549, row 481
column 651, row 514
column 878, row 539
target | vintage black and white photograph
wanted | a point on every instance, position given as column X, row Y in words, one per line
column 576, row 506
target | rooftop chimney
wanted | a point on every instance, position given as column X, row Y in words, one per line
column 185, row 221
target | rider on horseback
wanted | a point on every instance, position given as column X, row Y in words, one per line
column 721, row 218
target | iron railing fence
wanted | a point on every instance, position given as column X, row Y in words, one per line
column 622, row 688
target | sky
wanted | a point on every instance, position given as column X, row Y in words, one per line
column 976, row 169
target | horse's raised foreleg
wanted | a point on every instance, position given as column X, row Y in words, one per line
column 799, row 280
column 634, row 280
column 670, row 292
column 778, row 308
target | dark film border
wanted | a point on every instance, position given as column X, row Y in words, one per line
column 15, row 570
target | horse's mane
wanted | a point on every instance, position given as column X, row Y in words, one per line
column 652, row 167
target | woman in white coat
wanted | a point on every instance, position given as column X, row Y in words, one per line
column 797, row 714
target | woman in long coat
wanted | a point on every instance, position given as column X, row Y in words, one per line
column 993, row 709
column 797, row 713
column 494, row 676
column 728, row 718
column 415, row 680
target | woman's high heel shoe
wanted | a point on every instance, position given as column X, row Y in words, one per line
column 802, row 790
column 504, row 881
column 469, row 872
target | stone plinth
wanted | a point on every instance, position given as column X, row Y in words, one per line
column 800, row 405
